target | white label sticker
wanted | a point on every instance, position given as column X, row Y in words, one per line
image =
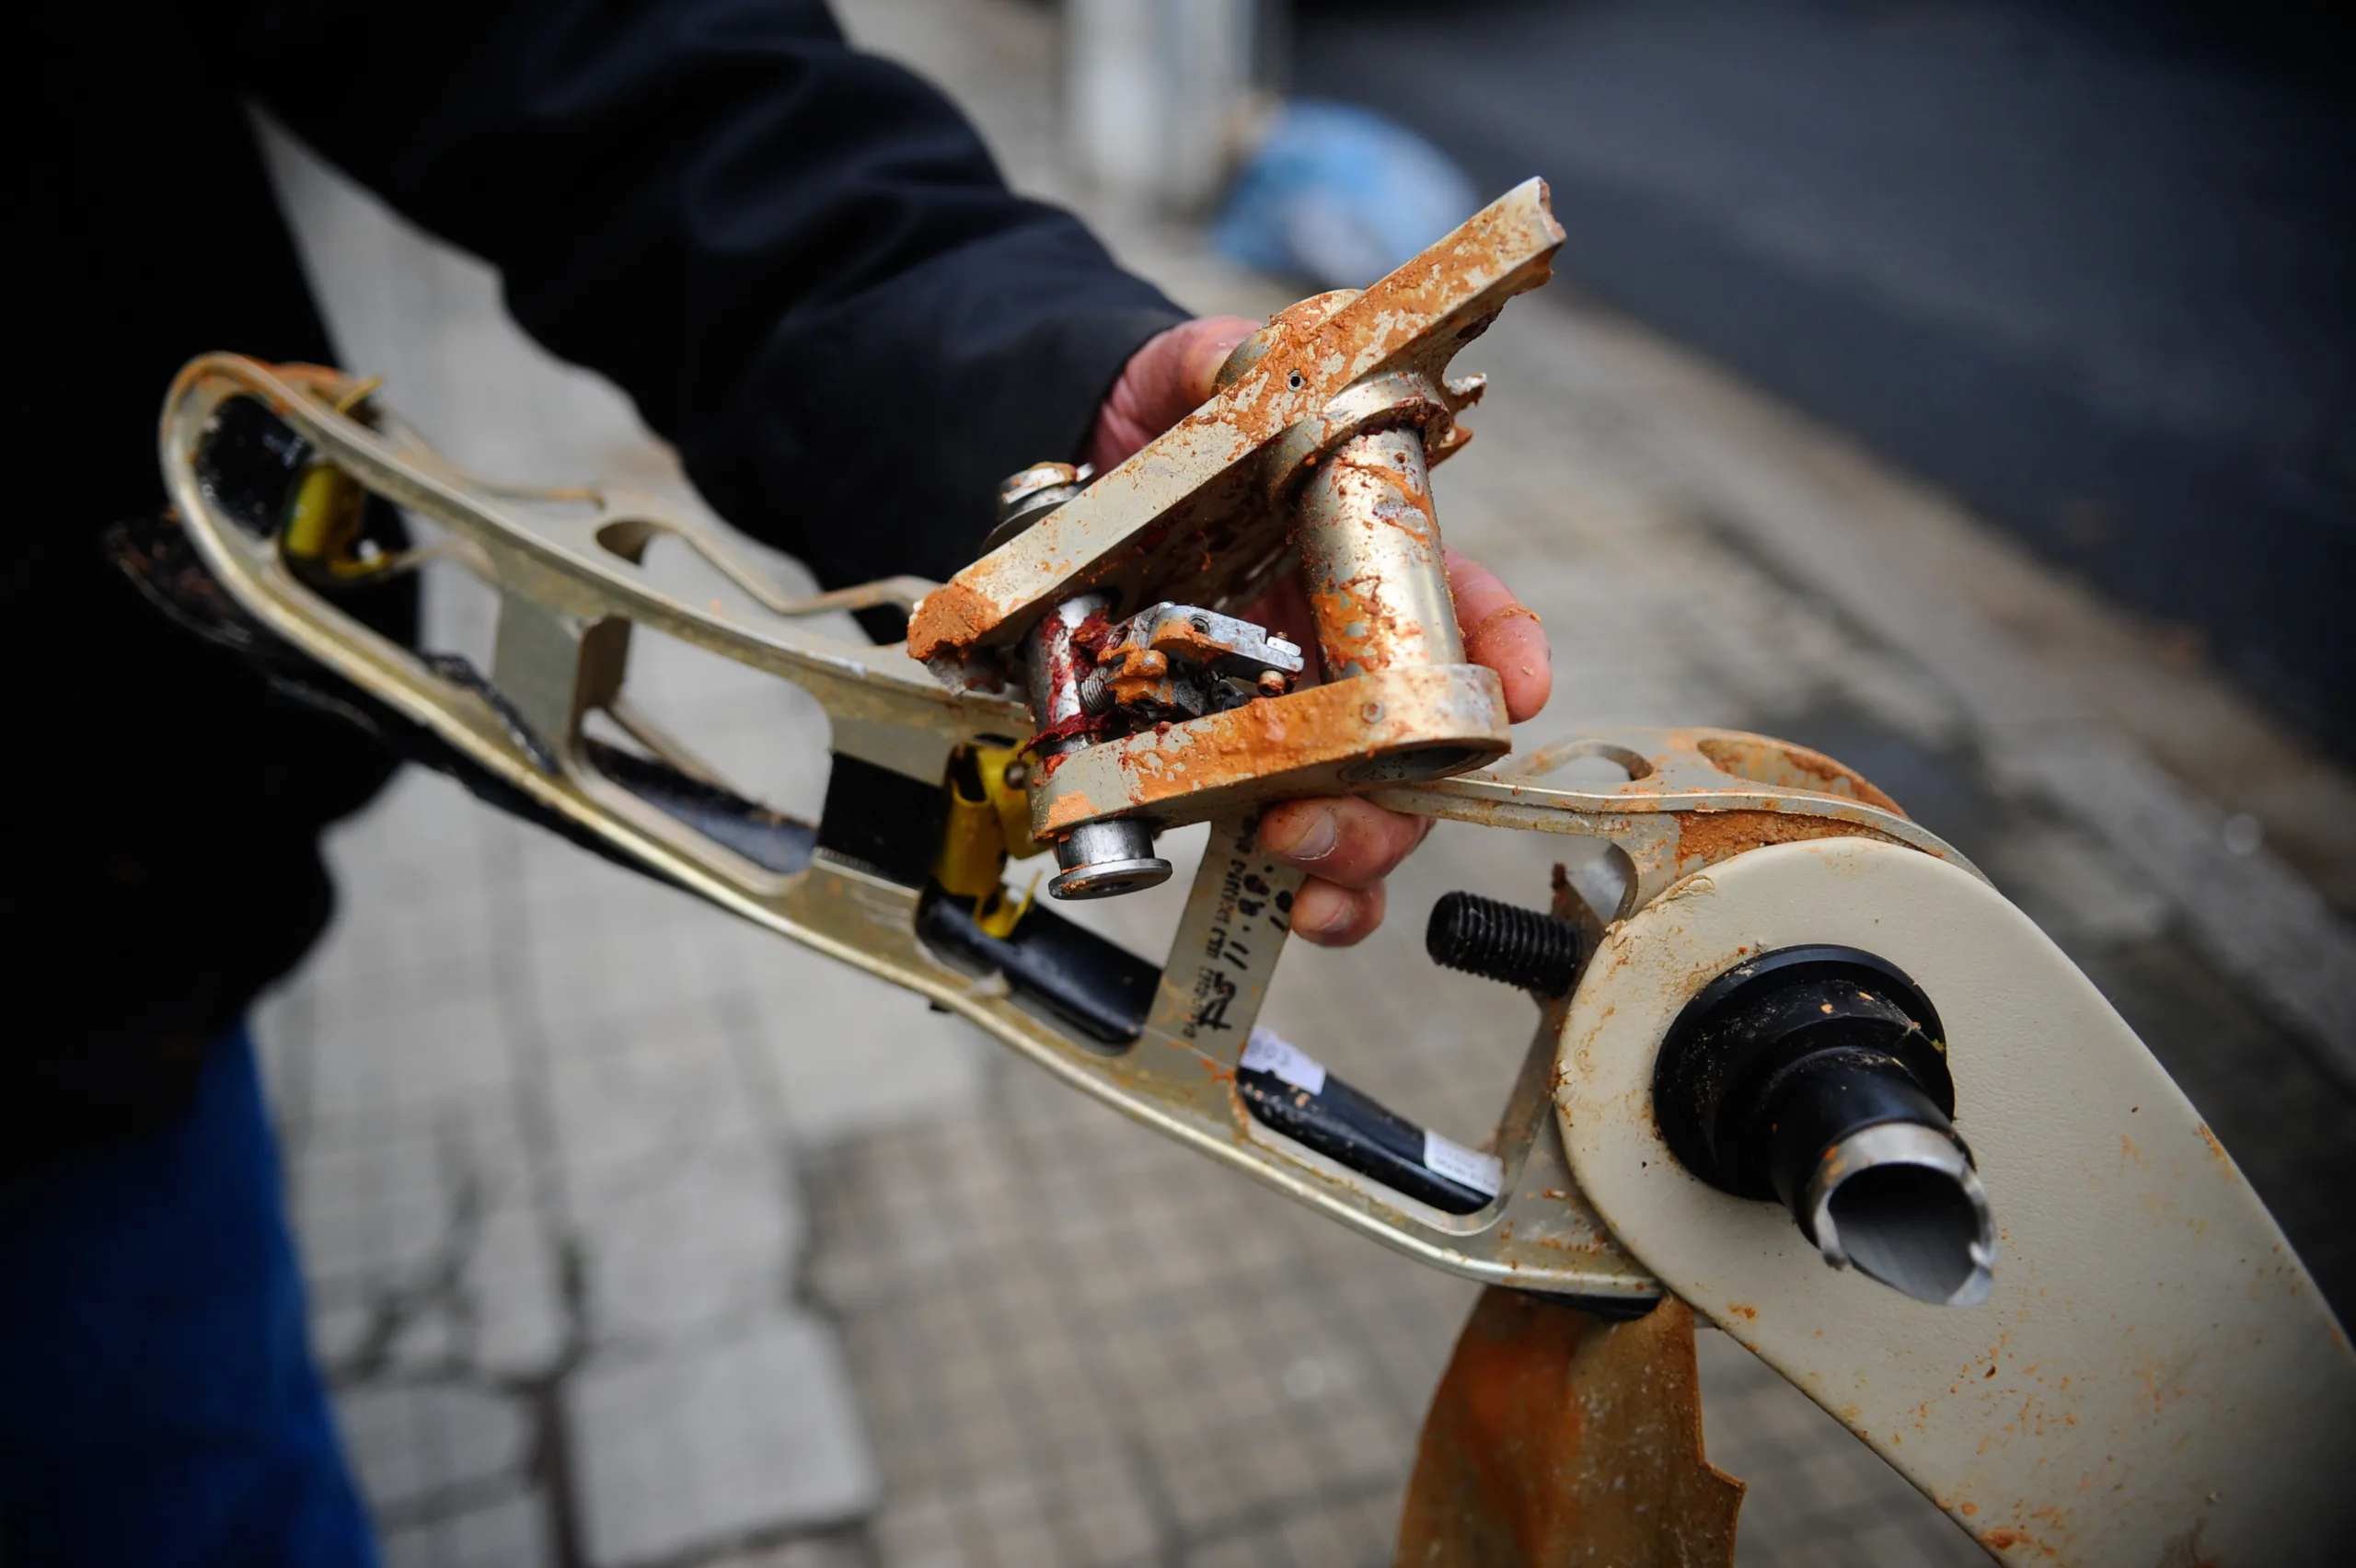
column 1484, row 1173
column 1267, row 1053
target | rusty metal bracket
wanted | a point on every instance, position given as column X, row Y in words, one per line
column 1727, row 839
column 567, row 566
column 1313, row 455
column 1198, row 515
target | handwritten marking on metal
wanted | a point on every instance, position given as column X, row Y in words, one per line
column 1229, row 940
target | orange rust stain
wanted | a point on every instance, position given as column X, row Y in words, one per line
column 1707, row 837
column 1319, row 725
column 952, row 615
column 1181, row 639
column 1503, row 613
column 1788, row 767
column 1358, row 629
column 2004, row 1537
column 1139, row 674
column 1748, row 1314
column 2216, row 1149
column 1069, row 811
column 2158, row 1386
column 1558, row 1437
column 1833, row 778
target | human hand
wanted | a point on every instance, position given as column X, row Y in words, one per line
column 1174, row 374
column 1348, row 846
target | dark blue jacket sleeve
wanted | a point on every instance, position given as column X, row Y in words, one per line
column 799, row 260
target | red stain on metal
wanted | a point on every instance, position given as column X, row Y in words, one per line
column 1080, row 725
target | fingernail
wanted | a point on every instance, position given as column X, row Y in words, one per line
column 1302, row 836
column 1314, row 916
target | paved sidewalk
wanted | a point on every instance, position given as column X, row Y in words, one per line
column 639, row 1237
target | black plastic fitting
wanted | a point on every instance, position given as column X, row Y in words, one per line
column 1773, row 1083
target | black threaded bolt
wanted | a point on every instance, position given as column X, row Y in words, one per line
column 1501, row 941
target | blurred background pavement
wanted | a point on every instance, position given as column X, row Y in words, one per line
column 637, row 1237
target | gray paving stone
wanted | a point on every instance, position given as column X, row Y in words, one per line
column 371, row 1204
column 685, row 1242
column 513, row 1294
column 845, row 1054
column 822, row 1552
column 635, row 1089
column 418, row 1444
column 703, row 1444
column 510, row 1532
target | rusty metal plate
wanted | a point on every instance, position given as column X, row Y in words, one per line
column 1559, row 1439
column 1352, row 734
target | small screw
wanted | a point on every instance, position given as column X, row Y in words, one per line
column 1371, row 713
column 1200, row 624
column 1272, row 683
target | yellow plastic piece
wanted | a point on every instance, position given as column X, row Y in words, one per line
column 323, row 525
column 973, row 844
column 973, row 850
column 997, row 916
column 1011, row 801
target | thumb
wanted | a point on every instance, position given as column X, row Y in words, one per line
column 1164, row 381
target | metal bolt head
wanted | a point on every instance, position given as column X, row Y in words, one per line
column 1026, row 483
column 1029, row 494
column 1104, row 860
column 1110, row 879
column 1272, row 683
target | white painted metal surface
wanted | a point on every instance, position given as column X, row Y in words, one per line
column 2154, row 1378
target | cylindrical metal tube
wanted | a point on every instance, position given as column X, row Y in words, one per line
column 1370, row 559
column 1054, row 666
column 1901, row 1202
column 1102, row 858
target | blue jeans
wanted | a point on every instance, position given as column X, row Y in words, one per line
column 159, row 1405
